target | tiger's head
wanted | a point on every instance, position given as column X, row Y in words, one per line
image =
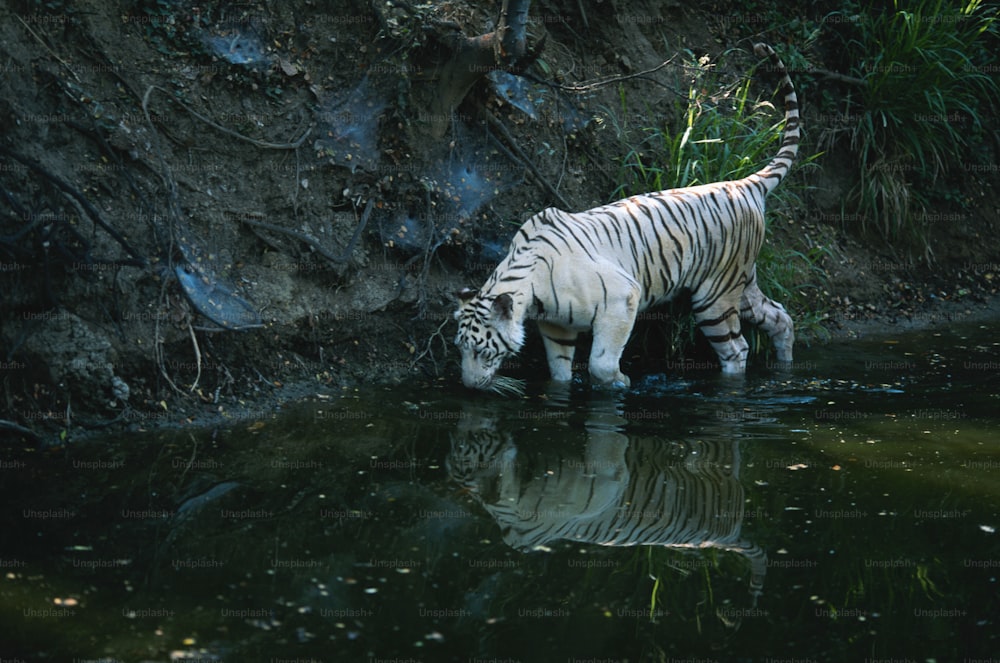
column 487, row 333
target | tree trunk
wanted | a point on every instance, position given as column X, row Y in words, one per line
column 474, row 57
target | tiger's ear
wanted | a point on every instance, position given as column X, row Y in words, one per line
column 465, row 294
column 503, row 306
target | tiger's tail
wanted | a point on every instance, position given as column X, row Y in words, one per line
column 771, row 174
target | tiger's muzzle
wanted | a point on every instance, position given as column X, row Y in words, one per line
column 475, row 374
column 479, row 381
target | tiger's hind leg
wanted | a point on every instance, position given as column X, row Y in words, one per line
column 560, row 346
column 719, row 321
column 769, row 316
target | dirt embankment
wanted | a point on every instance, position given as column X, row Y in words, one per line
column 201, row 205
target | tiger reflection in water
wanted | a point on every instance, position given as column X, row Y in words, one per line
column 676, row 494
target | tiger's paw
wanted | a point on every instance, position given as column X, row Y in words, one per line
column 620, row 382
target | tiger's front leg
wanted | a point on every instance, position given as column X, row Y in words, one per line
column 612, row 328
column 560, row 347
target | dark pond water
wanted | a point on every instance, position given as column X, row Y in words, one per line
column 845, row 509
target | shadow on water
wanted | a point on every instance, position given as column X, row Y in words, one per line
column 840, row 510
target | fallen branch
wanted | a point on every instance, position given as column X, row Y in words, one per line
column 840, row 78
column 587, row 87
column 229, row 132
column 312, row 242
column 12, row 427
column 197, row 356
column 524, row 160
column 138, row 259
column 46, row 47
column 429, row 350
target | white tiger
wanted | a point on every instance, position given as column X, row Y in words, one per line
column 596, row 270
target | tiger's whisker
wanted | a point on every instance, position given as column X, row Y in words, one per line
column 505, row 386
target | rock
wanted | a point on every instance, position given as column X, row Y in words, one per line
column 80, row 359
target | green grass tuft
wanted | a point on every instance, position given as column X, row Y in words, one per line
column 925, row 92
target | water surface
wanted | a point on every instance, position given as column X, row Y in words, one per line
column 845, row 509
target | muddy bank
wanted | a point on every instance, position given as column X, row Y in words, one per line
column 260, row 404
